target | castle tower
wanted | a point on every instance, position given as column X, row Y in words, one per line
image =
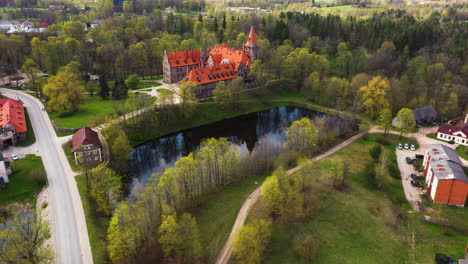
column 251, row 46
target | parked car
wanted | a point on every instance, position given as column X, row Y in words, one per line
column 419, row 156
column 14, row 157
column 409, row 160
column 400, row 146
column 414, row 182
column 45, row 75
column 406, row 146
column 413, row 148
column 414, row 176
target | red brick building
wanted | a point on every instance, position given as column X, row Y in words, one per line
column 13, row 126
column 446, row 181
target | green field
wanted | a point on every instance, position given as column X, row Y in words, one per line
column 366, row 225
column 217, row 214
column 30, row 136
column 26, row 181
column 97, row 224
column 93, row 110
column 462, row 151
column 70, row 157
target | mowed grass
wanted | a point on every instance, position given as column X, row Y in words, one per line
column 26, row 181
column 94, row 108
column 96, row 223
column 366, row 225
column 217, row 214
column 462, row 151
column 30, row 136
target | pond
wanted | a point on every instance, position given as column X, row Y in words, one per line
column 266, row 128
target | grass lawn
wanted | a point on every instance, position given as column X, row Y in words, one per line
column 30, row 137
column 97, row 224
column 92, row 110
column 26, row 181
column 70, row 157
column 366, row 225
column 217, row 214
column 164, row 91
column 142, row 85
column 462, row 151
column 152, row 78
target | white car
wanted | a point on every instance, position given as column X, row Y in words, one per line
column 14, row 157
column 413, row 148
column 406, row 146
column 400, row 146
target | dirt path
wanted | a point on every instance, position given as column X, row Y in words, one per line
column 225, row 254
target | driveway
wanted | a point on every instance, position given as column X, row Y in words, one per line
column 71, row 235
column 20, row 151
column 413, row 194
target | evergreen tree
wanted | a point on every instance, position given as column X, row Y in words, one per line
column 103, row 87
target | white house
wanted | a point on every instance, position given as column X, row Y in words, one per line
column 9, row 25
column 452, row 131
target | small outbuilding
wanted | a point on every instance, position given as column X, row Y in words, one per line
column 425, row 115
column 87, row 148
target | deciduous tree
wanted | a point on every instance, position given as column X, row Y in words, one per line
column 374, row 95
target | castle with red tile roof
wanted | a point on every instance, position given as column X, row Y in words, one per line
column 221, row 63
column 13, row 126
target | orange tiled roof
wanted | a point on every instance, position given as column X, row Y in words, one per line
column 219, row 72
column 225, row 54
column 252, row 38
column 12, row 112
column 184, row 58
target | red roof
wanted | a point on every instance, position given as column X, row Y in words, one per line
column 28, row 22
column 184, row 58
column 85, row 136
column 43, row 24
column 252, row 41
column 12, row 112
column 222, row 54
column 220, row 72
column 449, row 129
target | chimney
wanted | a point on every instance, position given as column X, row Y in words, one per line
column 466, row 118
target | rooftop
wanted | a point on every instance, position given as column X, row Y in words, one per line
column 184, row 58
column 220, row 72
column 12, row 112
column 85, row 136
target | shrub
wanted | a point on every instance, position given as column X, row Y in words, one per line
column 304, row 246
column 382, row 140
column 451, row 142
column 375, row 151
column 369, row 173
column 38, row 177
column 44, row 205
column 64, row 114
column 132, row 81
column 394, row 171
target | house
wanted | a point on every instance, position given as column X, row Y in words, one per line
column 221, row 63
column 27, row 25
column 446, row 181
column 425, row 115
column 96, row 23
column 13, row 126
column 87, row 148
column 9, row 25
column 454, row 131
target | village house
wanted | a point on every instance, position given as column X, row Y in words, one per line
column 12, row 123
column 446, row 181
column 8, row 25
column 87, row 148
column 221, row 63
column 454, row 131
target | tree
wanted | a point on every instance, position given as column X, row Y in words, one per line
column 120, row 151
column 405, row 120
column 31, row 70
column 223, row 95
column 186, row 96
column 301, row 136
column 250, row 242
column 103, row 87
column 23, row 240
column 169, row 229
column 120, row 90
column 105, row 188
column 385, row 119
column 65, row 89
column 132, row 81
column 374, row 95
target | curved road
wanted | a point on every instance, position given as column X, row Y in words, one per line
column 70, row 231
column 225, row 254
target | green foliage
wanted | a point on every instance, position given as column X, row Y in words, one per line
column 302, row 137
column 105, row 188
column 405, row 120
column 250, row 242
column 132, row 81
column 374, row 95
column 375, row 151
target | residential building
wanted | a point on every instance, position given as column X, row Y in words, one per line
column 222, row 63
column 27, row 24
column 13, row 126
column 454, row 131
column 446, row 181
column 425, row 115
column 87, row 148
column 8, row 25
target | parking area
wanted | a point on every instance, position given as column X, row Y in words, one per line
column 413, row 194
column 19, row 151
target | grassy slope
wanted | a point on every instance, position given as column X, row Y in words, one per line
column 93, row 108
column 217, row 214
column 22, row 187
column 96, row 223
column 70, row 157
column 360, row 224
column 462, row 151
column 30, row 136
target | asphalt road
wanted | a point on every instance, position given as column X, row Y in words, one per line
column 71, row 235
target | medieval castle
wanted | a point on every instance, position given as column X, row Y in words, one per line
column 222, row 63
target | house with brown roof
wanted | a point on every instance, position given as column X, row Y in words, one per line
column 454, row 131
column 13, row 126
column 176, row 65
column 87, row 148
column 446, row 181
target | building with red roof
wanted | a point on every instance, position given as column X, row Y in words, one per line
column 198, row 66
column 86, row 146
column 13, row 126
column 454, row 131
